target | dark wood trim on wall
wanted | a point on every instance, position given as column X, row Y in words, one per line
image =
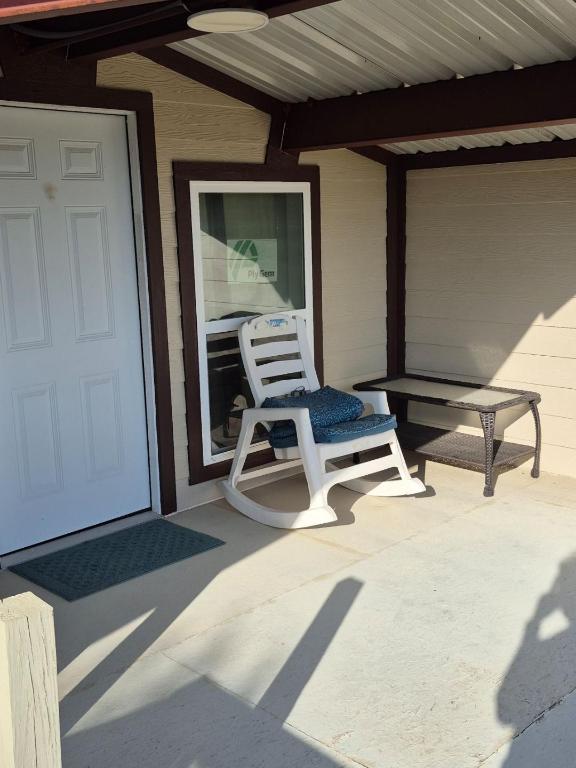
column 212, row 78
column 141, row 104
column 396, row 268
column 183, row 173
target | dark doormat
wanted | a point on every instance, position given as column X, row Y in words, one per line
column 97, row 564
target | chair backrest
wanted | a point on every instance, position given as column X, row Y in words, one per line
column 276, row 355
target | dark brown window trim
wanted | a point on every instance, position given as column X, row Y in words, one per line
column 140, row 103
column 184, row 172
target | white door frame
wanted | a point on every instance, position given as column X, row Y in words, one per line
column 142, row 277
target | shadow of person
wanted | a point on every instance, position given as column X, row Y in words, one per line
column 542, row 673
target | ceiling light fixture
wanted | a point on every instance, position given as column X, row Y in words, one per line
column 228, row 20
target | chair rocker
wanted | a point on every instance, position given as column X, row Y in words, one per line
column 274, row 349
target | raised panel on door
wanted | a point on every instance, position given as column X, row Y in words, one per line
column 90, row 272
column 103, row 427
column 38, row 440
column 17, row 158
column 23, row 279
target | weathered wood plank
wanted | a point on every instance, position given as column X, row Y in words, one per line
column 29, row 719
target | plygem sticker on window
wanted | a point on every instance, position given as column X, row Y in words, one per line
column 252, row 261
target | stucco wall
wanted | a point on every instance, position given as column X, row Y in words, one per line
column 196, row 123
column 491, row 285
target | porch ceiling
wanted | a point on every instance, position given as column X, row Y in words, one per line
column 495, row 139
column 356, row 46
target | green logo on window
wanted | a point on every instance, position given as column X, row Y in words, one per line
column 252, row 261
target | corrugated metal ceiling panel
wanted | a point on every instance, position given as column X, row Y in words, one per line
column 365, row 45
column 524, row 136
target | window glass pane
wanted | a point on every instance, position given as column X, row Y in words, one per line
column 252, row 248
column 229, row 391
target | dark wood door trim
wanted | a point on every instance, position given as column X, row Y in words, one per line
column 184, row 172
column 141, row 104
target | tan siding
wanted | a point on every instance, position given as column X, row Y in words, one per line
column 196, row 123
column 353, row 203
column 491, row 284
column 192, row 123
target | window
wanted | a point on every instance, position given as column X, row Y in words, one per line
column 250, row 249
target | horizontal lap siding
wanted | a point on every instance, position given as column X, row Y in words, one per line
column 353, row 207
column 491, row 291
column 199, row 124
column 192, row 123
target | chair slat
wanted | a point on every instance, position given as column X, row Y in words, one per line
column 275, row 349
column 280, row 368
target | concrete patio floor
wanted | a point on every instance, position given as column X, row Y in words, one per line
column 431, row 632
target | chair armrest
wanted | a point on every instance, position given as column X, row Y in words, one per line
column 300, row 417
column 378, row 401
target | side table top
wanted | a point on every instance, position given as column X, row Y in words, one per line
column 451, row 393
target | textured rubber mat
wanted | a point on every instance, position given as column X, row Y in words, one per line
column 94, row 565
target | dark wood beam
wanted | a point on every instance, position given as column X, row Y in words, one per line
column 202, row 73
column 17, row 11
column 378, row 154
column 395, row 268
column 173, row 30
column 532, row 97
column 153, row 16
column 507, row 153
column 275, row 155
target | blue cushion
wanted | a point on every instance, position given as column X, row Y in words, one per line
column 283, row 434
column 327, row 406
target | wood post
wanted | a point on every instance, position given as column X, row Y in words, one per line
column 29, row 721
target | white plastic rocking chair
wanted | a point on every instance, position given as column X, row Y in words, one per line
column 264, row 339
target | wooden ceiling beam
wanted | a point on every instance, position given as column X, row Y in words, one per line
column 531, row 97
column 507, row 153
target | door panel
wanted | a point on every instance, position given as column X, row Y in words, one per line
column 73, row 431
column 23, row 276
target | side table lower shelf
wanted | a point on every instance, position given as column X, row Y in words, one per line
column 460, row 449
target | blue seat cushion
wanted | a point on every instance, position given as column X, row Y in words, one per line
column 327, row 406
column 283, row 433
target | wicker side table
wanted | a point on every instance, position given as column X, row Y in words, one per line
column 458, row 449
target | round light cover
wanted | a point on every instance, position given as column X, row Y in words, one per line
column 228, row 20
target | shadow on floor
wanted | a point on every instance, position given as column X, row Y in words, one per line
column 139, row 612
column 198, row 724
column 542, row 673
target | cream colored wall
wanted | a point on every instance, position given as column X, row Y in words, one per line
column 192, row 123
column 491, row 290
column 353, row 209
column 196, row 123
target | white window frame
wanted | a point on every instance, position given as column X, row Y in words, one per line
column 206, row 328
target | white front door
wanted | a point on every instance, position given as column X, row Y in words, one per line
column 73, row 430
